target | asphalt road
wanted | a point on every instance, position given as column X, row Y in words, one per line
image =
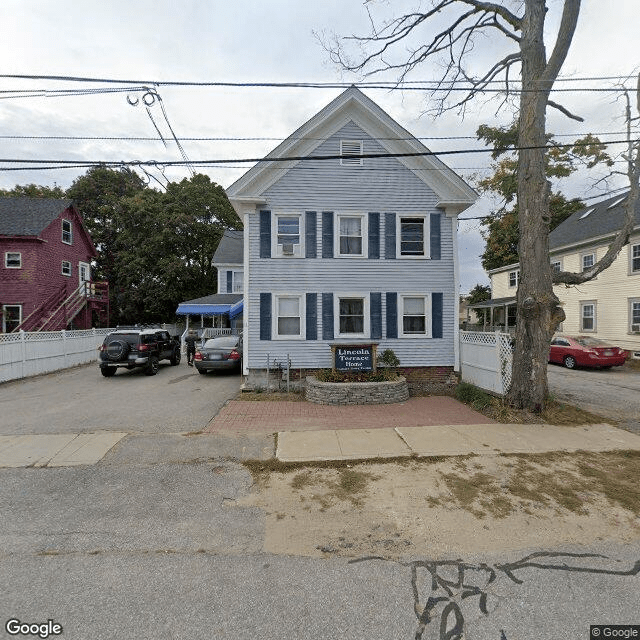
column 612, row 393
column 176, row 399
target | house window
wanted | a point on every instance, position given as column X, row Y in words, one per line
column 352, row 312
column 66, row 268
column 351, row 238
column 67, row 236
column 288, row 235
column 11, row 317
column 351, row 152
column 587, row 316
column 411, row 236
column 414, row 316
column 634, row 315
column 635, row 258
column 556, row 266
column 514, row 277
column 13, row 260
column 238, row 282
column 289, row 316
column 588, row 260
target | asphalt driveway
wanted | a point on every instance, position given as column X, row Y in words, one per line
column 80, row 400
column 612, row 393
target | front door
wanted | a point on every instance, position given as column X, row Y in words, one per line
column 84, row 273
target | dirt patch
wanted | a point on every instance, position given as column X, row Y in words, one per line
column 459, row 505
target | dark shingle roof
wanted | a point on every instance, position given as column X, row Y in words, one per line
column 230, row 249
column 596, row 220
column 29, row 216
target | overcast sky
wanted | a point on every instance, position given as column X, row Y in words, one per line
column 254, row 41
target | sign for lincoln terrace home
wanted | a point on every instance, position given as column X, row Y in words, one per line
column 354, row 357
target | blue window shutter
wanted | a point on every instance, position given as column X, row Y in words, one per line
column 390, row 236
column 265, row 316
column 310, row 242
column 436, row 315
column 392, row 315
column 327, row 316
column 376, row 316
column 265, row 234
column 327, row 234
column 312, row 316
column 434, row 226
column 229, row 281
column 374, row 235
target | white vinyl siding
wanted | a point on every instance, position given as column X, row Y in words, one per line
column 13, row 260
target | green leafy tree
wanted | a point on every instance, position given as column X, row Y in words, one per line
column 32, row 191
column 502, row 232
column 479, row 293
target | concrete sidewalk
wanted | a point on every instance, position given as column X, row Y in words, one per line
column 449, row 440
column 59, row 450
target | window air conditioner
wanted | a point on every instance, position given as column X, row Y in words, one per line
column 635, row 327
column 287, row 249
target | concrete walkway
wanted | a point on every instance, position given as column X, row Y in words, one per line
column 449, row 440
column 59, row 450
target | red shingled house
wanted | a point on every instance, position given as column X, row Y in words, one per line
column 45, row 268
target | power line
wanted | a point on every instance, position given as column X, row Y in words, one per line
column 214, row 162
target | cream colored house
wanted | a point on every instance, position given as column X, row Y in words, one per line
column 607, row 307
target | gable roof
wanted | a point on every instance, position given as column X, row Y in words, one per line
column 353, row 106
column 595, row 221
column 29, row 216
column 230, row 248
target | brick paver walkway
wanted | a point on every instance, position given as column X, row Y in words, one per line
column 268, row 417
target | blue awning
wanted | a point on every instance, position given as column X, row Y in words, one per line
column 204, row 309
column 236, row 309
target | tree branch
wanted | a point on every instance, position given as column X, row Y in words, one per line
column 563, row 41
column 564, row 110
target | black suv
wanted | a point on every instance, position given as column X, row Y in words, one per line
column 138, row 348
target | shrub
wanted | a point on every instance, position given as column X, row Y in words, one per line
column 326, row 375
column 472, row 395
column 388, row 358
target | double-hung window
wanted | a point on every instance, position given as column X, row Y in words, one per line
column 238, row 281
column 11, row 317
column 588, row 260
column 634, row 315
column 67, row 232
column 351, row 236
column 66, row 268
column 634, row 250
column 352, row 316
column 288, row 233
column 587, row 316
column 415, row 318
column 412, row 235
column 13, row 260
column 556, row 266
column 514, row 276
column 288, row 311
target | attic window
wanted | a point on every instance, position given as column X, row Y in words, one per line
column 350, row 152
column 615, row 203
column 67, row 236
column 586, row 213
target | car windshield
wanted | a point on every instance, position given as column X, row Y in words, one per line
column 586, row 341
column 223, row 342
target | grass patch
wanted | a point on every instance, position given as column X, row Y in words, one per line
column 271, row 396
column 473, row 396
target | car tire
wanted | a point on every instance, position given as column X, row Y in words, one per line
column 152, row 366
column 108, row 372
column 202, row 371
column 117, row 350
column 175, row 358
column 570, row 362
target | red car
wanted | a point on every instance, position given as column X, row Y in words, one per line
column 585, row 351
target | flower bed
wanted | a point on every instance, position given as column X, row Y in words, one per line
column 381, row 392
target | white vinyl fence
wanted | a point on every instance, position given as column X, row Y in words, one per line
column 29, row 354
column 486, row 360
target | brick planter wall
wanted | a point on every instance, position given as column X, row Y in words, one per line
column 356, row 392
column 430, row 380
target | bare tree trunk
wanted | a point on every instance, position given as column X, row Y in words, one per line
column 538, row 309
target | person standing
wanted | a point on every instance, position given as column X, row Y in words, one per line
column 190, row 341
